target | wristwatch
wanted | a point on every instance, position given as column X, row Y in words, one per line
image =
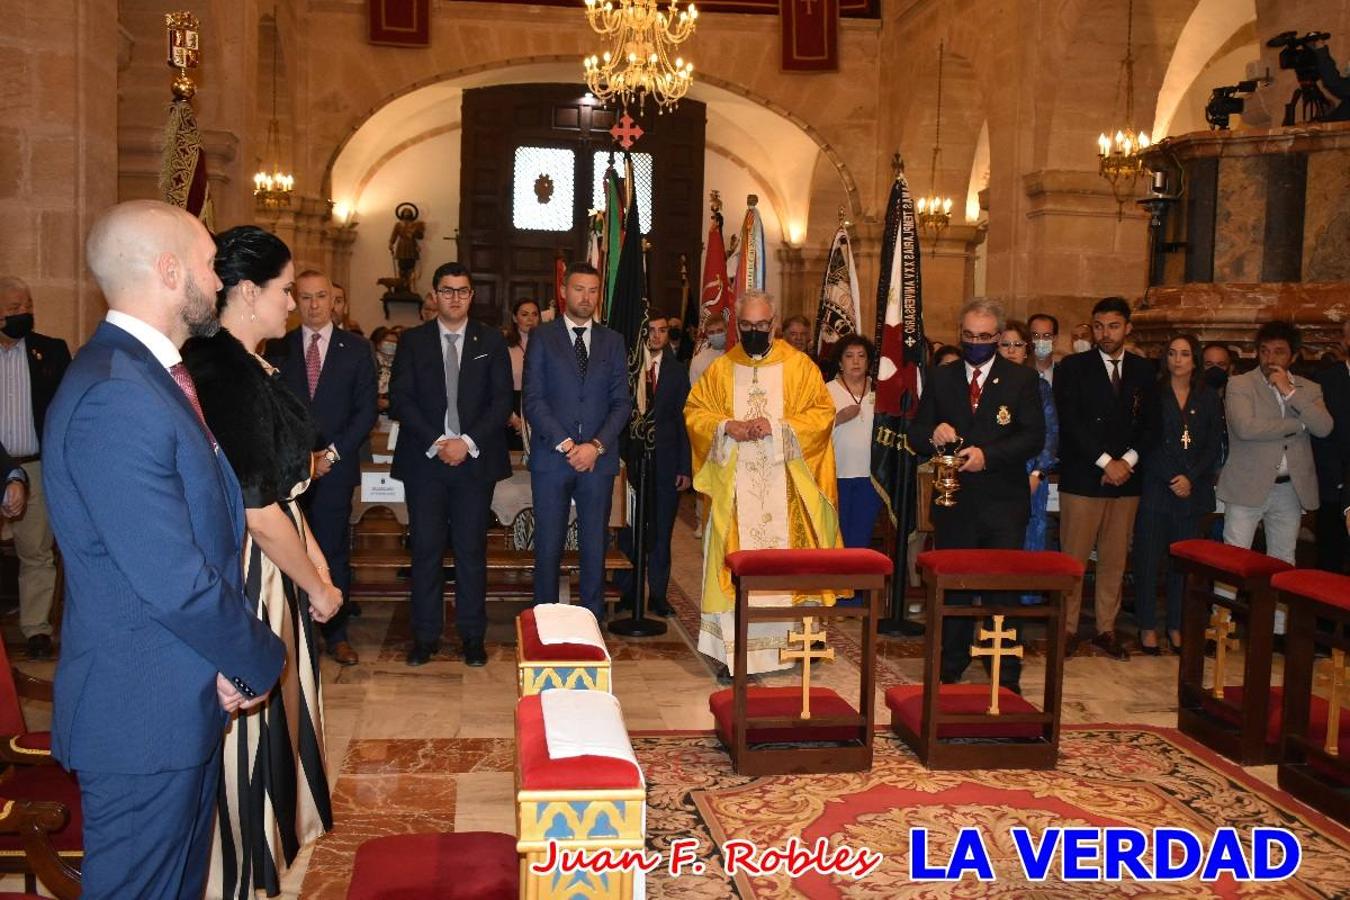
column 332, row 456
column 599, row 447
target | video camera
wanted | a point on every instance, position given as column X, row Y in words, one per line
column 1296, row 54
column 1224, row 102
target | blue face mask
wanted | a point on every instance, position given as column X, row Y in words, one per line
column 978, row 354
column 718, row 341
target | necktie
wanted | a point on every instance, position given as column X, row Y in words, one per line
column 452, row 384
column 183, row 379
column 974, row 390
column 1115, row 376
column 651, row 380
column 580, row 346
column 313, row 364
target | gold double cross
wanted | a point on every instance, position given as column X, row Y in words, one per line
column 806, row 637
column 1335, row 679
column 997, row 651
column 1220, row 631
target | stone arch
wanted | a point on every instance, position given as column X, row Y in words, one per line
column 1210, row 28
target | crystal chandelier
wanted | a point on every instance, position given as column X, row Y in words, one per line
column 272, row 189
column 1121, row 157
column 642, row 39
column 934, row 212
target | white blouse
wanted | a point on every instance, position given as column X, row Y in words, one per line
column 853, row 439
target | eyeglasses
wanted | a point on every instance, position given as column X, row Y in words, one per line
column 984, row 338
column 447, row 292
column 1012, row 345
column 761, row 327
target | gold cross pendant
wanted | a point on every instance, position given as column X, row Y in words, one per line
column 1186, row 437
column 806, row 637
column 997, row 652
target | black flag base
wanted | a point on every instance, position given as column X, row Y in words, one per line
column 637, row 625
column 901, row 627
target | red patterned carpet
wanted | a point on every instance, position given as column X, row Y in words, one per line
column 1107, row 775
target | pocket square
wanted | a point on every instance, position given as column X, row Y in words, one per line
column 481, row 356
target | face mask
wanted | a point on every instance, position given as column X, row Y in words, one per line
column 756, row 343
column 1043, row 347
column 718, row 341
column 388, row 348
column 18, row 325
column 1081, row 346
column 1216, row 378
column 978, row 354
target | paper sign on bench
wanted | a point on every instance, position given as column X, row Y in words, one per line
column 380, row 487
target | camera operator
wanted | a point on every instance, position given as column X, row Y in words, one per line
column 1337, row 84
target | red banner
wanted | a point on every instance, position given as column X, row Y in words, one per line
column 810, row 35
column 400, row 23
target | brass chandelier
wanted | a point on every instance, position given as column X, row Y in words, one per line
column 1120, row 157
column 272, row 189
column 642, row 40
column 934, row 212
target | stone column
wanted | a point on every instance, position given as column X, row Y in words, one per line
column 792, row 294
column 58, row 148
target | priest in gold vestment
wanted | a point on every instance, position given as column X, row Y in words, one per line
column 760, row 422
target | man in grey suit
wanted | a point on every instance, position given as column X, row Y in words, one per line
column 1269, row 478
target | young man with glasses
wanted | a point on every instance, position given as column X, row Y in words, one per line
column 451, row 392
column 991, row 409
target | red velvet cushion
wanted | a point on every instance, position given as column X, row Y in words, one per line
column 906, row 705
column 1000, row 562
column 535, row 650
column 8, row 896
column 1239, row 561
column 1324, row 587
column 809, row 562
column 539, row 772
column 34, row 740
column 470, row 865
column 1230, row 711
column 52, row 784
column 784, row 701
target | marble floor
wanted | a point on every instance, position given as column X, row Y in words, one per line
column 430, row 748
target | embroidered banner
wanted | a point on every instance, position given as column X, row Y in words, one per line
column 400, row 23
column 849, row 9
column 810, row 35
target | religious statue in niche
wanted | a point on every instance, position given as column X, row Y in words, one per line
column 404, row 246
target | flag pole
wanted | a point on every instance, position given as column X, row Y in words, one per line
column 637, row 624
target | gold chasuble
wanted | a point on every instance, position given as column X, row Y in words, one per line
column 775, row 493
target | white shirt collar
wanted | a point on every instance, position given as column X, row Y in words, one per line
column 573, row 325
column 325, row 333
column 1107, row 361
column 154, row 340
column 984, row 370
column 446, row 329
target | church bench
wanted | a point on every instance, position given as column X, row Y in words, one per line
column 467, row 865
column 1315, row 732
column 977, row 726
column 578, row 787
column 1236, row 721
column 509, row 571
column 545, row 661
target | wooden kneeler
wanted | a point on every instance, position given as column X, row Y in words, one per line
column 746, row 716
column 1315, row 731
column 976, row 726
column 1240, row 722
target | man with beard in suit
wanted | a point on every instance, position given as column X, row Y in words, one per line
column 992, row 408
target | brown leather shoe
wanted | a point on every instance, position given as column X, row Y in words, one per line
column 1071, row 645
column 1108, row 641
column 344, row 654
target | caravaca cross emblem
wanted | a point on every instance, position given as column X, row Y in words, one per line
column 626, row 132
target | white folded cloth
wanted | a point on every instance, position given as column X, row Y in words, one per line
column 585, row 723
column 562, row 623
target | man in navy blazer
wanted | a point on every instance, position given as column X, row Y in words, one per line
column 334, row 372
column 577, row 404
column 667, row 388
column 450, row 463
column 159, row 643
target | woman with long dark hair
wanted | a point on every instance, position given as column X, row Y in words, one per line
column 1183, row 425
column 524, row 318
column 274, row 790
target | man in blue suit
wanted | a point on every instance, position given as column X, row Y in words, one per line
column 577, row 404
column 450, row 459
column 334, row 372
column 159, row 644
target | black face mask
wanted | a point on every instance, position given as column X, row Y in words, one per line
column 1216, row 378
column 978, row 354
column 756, row 343
column 18, row 326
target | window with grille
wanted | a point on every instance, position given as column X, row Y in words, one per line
column 544, row 192
column 642, row 174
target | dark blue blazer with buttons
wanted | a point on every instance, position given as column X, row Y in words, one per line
column 150, row 520
column 560, row 404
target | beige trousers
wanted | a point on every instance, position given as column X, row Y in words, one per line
column 1107, row 524
column 37, row 563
